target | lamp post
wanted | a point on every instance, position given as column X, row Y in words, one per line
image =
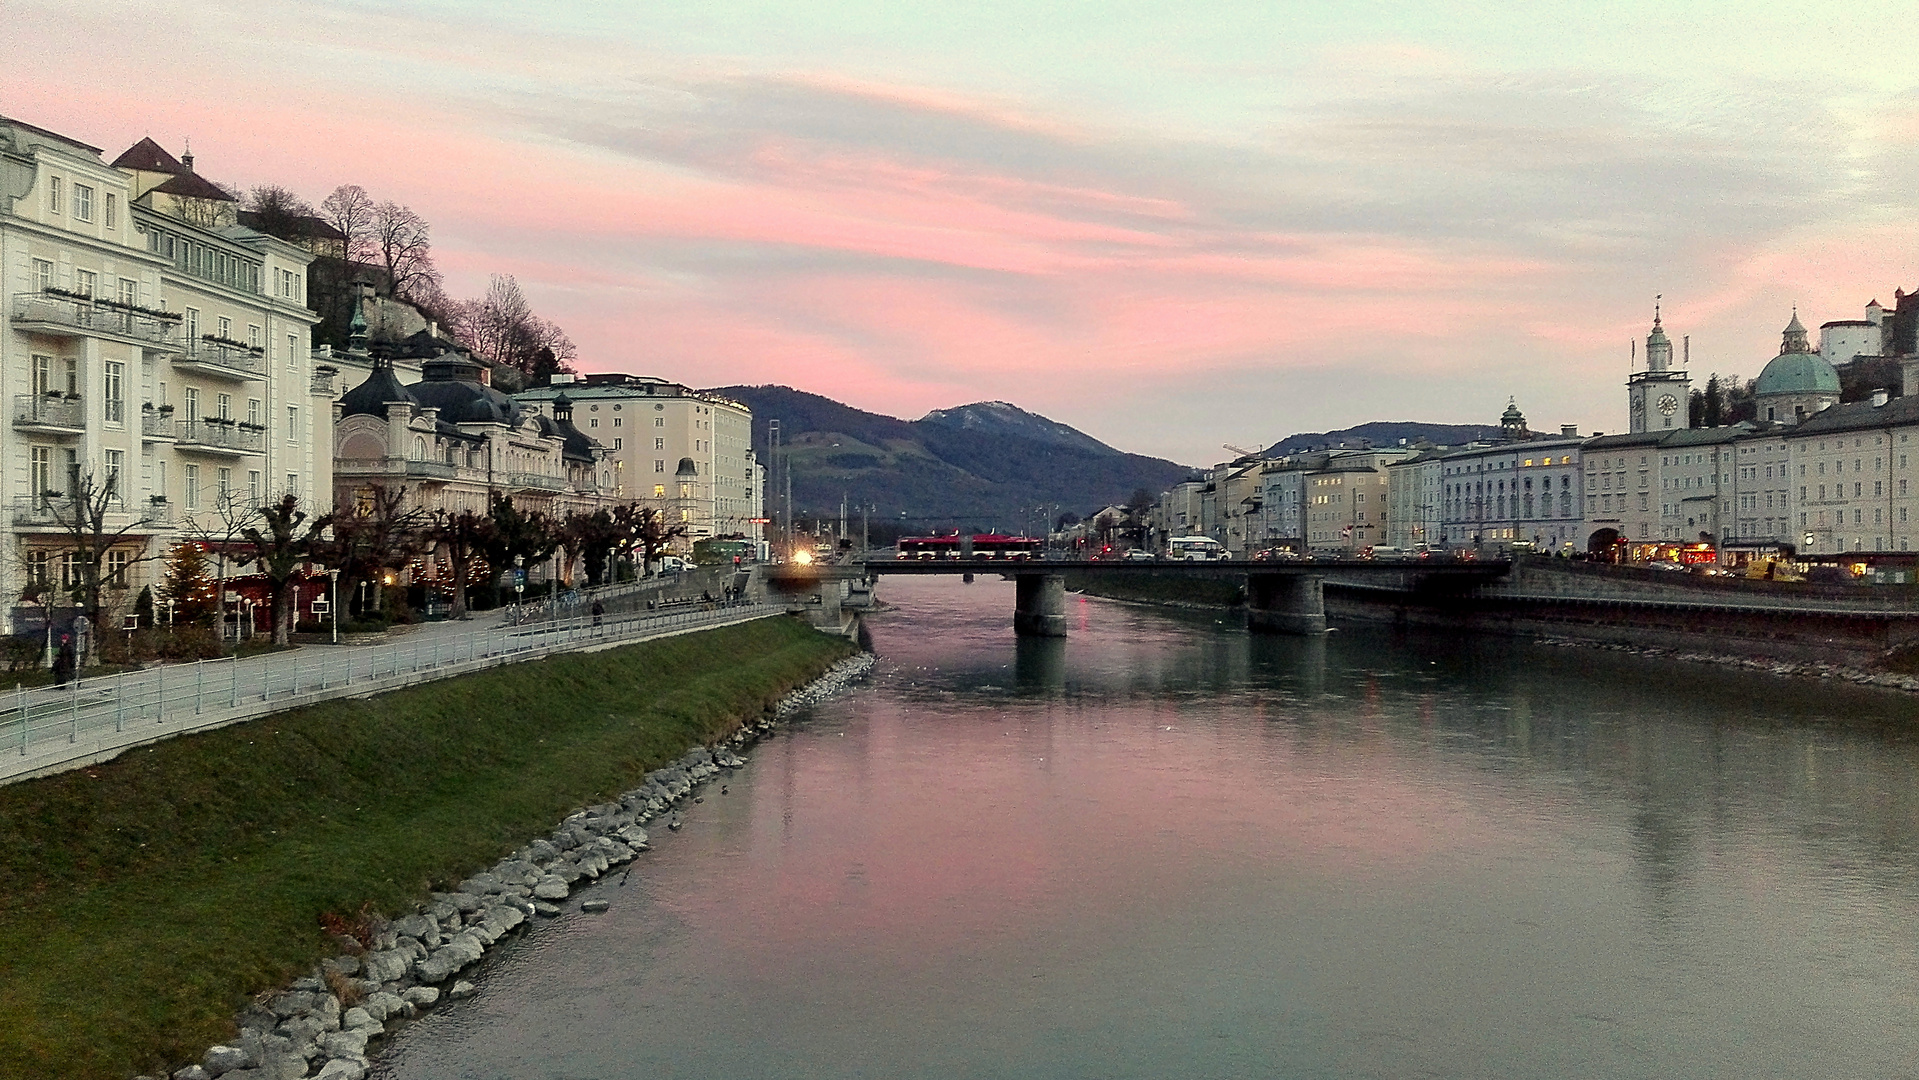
column 333, row 609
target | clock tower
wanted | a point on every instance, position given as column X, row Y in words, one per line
column 1658, row 398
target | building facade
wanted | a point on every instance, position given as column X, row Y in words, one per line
column 685, row 453
column 154, row 350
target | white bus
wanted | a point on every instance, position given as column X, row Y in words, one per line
column 1194, row 549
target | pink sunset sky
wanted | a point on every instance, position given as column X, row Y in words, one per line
column 1169, row 226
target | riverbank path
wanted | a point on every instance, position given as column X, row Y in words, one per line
column 54, row 728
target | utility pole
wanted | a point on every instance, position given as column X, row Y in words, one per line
column 842, row 532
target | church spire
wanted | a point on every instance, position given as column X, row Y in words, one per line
column 356, row 327
column 1793, row 340
column 1658, row 345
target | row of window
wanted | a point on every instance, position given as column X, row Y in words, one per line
column 82, row 202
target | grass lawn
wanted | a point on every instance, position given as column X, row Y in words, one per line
column 143, row 901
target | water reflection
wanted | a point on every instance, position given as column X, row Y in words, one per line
column 1165, row 847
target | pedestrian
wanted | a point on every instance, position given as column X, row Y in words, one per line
column 598, row 610
column 63, row 661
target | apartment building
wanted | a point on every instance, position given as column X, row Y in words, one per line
column 1414, row 490
column 154, row 349
column 686, row 453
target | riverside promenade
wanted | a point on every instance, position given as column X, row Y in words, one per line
column 52, row 729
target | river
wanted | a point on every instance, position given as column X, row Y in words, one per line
column 1165, row 848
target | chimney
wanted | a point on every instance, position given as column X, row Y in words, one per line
column 1879, row 398
column 1571, row 431
column 432, row 329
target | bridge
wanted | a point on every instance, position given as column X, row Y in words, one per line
column 1281, row 597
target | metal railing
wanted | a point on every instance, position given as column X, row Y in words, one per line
column 536, row 481
column 44, row 728
column 227, row 359
column 157, row 424
column 61, row 512
column 85, row 316
column 212, row 435
column 41, row 410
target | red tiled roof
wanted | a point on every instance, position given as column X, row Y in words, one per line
column 191, row 186
column 148, row 156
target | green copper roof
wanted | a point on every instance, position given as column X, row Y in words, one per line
column 1798, row 373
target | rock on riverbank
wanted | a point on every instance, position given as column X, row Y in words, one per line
column 321, row 1025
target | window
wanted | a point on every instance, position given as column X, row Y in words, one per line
column 116, row 463
column 293, row 484
column 190, row 329
column 117, row 561
column 53, row 195
column 129, row 291
column 160, row 479
column 82, row 203
column 226, row 482
column 253, row 411
column 42, row 368
column 659, row 421
column 192, row 395
column 293, row 423
column 226, row 407
column 113, row 208
column 659, row 444
column 253, row 335
column 42, row 474
column 71, row 375
column 192, row 493
column 83, row 282
column 42, row 275
column 112, row 391
column 293, row 352
column 616, row 444
column 659, row 491
column 225, row 328
column 253, row 487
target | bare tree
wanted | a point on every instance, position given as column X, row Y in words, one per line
column 351, row 210
column 405, row 247
column 502, row 329
column 279, row 212
column 85, row 516
column 380, row 533
column 220, row 529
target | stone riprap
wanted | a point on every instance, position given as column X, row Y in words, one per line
column 308, row 1031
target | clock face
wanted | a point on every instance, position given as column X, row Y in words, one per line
column 1668, row 404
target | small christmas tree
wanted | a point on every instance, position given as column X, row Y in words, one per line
column 188, row 586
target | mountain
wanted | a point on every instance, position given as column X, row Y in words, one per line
column 987, row 466
column 1383, row 433
column 999, row 418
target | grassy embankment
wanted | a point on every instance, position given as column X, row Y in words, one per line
column 1154, row 589
column 143, row 900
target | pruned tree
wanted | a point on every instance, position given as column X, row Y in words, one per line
column 648, row 531
column 220, row 529
column 518, row 537
column 282, row 543
column 379, row 532
column 403, row 242
column 462, row 540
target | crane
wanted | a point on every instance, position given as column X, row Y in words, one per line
column 1240, row 450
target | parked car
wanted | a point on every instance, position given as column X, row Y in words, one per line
column 1141, row 555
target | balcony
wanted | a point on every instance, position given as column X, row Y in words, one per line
column 219, row 437
column 222, row 358
column 400, row 467
column 58, row 314
column 536, row 482
column 57, row 512
column 51, row 414
column 156, row 425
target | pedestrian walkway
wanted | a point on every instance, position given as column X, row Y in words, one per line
column 51, row 729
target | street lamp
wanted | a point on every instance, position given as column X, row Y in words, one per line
column 333, row 608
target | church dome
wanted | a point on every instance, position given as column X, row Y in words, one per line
column 1797, row 373
column 1797, row 369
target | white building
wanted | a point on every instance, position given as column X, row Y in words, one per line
column 686, row 453
column 151, row 346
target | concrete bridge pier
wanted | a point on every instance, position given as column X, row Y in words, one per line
column 1039, row 606
column 1286, row 603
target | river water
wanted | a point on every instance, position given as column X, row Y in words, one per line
column 1165, row 848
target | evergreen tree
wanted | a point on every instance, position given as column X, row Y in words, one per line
column 1714, row 411
column 189, row 587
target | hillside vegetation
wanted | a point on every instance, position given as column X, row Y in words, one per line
column 988, row 465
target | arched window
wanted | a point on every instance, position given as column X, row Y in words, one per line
column 419, row 448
